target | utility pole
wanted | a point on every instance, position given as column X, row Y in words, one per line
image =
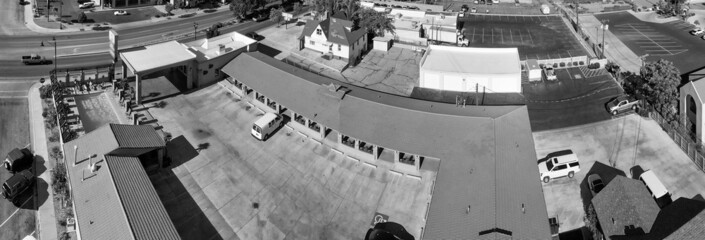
column 605, row 26
column 195, row 27
column 53, row 39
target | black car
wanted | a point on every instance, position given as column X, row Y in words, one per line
column 595, row 183
column 17, row 184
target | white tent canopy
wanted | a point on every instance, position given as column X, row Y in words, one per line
column 158, row 56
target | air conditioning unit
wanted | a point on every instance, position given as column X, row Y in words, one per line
column 70, row 224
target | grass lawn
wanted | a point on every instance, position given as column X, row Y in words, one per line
column 137, row 14
column 14, row 132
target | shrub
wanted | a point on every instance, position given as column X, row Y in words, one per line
column 82, row 17
column 595, row 65
column 562, row 64
column 575, row 63
column 582, row 63
column 555, row 65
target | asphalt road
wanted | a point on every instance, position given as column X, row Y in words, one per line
column 96, row 43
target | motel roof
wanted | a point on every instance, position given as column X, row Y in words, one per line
column 117, row 200
column 487, row 184
column 464, row 60
column 154, row 57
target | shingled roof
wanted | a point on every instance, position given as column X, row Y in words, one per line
column 624, row 207
column 336, row 30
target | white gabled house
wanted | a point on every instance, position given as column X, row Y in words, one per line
column 334, row 36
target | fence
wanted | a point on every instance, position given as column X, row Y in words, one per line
column 689, row 144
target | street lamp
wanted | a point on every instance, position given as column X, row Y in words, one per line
column 605, row 26
column 53, row 39
column 195, row 27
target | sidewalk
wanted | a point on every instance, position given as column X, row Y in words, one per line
column 615, row 51
column 45, row 214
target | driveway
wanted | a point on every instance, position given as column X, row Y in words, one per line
column 288, row 187
column 610, row 148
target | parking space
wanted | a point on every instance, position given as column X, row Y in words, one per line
column 537, row 37
column 615, row 147
column 670, row 40
column 577, row 97
column 652, row 42
column 287, row 187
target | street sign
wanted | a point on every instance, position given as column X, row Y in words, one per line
column 113, row 38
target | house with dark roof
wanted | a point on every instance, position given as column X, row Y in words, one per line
column 625, row 209
column 335, row 37
column 486, row 185
column 111, row 193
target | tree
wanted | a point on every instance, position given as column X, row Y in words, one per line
column 377, row 23
column 168, row 8
column 276, row 15
column 212, row 31
column 592, row 222
column 239, row 9
column 82, row 17
column 319, row 7
column 297, row 8
column 658, row 83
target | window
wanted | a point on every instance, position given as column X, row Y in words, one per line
column 575, row 164
column 319, row 32
column 312, row 43
column 330, row 48
column 339, row 47
column 560, row 167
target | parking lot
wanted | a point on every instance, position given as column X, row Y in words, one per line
column 671, row 40
column 537, row 37
column 577, row 97
column 609, row 148
column 225, row 184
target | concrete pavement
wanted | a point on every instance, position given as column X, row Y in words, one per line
column 45, row 213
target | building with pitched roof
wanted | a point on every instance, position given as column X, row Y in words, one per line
column 486, row 185
column 335, row 37
column 625, row 209
column 692, row 103
column 111, row 193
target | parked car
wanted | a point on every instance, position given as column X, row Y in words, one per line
column 473, row 10
column 621, row 104
column 120, row 13
column 549, row 73
column 17, row 184
column 696, row 32
column 559, row 164
column 86, row 5
column 656, row 188
column 476, row 2
column 595, row 183
column 265, row 126
column 18, row 159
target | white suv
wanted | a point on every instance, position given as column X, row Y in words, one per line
column 558, row 164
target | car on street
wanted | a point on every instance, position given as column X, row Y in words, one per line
column 259, row 18
column 86, row 5
column 696, row 32
column 476, row 2
column 473, row 10
column 621, row 104
column 595, row 183
column 120, row 13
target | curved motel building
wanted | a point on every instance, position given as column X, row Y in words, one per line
column 487, row 184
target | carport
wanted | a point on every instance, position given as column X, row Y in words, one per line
column 152, row 58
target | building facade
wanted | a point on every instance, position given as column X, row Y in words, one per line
column 334, row 37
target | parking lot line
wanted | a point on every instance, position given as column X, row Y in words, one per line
column 15, row 212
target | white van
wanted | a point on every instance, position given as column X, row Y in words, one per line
column 559, row 164
column 264, row 126
column 656, row 188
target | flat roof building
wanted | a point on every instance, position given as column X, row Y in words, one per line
column 471, row 69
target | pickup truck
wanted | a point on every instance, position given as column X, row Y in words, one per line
column 17, row 184
column 34, row 59
column 621, row 104
column 18, row 159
